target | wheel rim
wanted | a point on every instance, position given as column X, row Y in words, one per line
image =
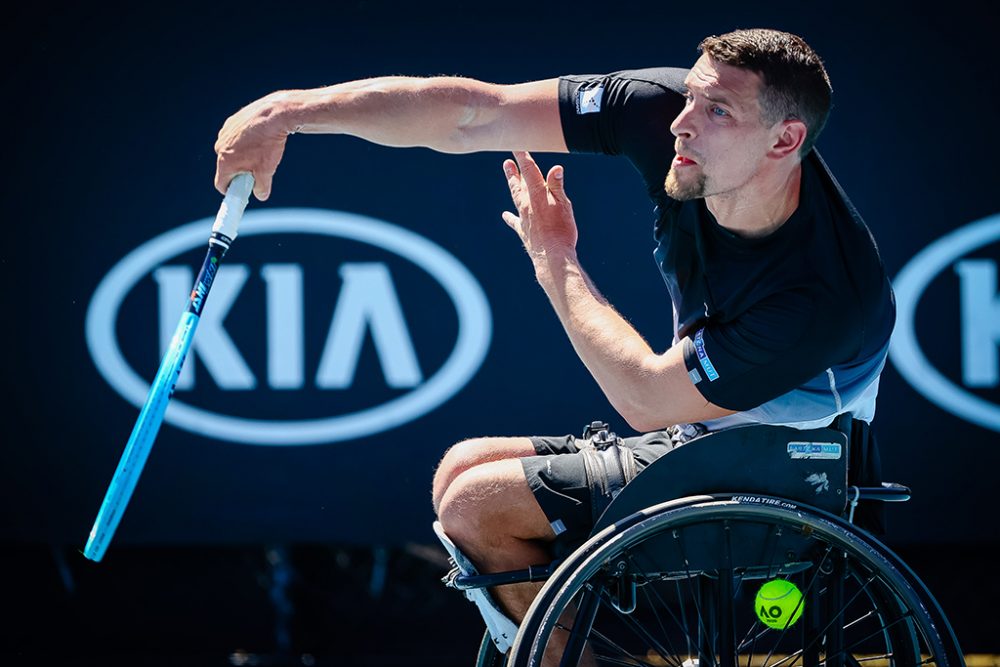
column 858, row 608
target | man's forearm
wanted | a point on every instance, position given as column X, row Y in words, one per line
column 615, row 354
column 447, row 114
column 651, row 391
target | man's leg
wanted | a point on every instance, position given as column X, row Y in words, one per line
column 470, row 453
column 492, row 515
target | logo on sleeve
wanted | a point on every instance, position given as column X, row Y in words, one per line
column 706, row 363
column 588, row 100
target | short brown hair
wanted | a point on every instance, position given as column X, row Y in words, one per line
column 795, row 82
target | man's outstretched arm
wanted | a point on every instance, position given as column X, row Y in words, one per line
column 447, row 114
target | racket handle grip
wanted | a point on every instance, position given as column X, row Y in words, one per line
column 227, row 222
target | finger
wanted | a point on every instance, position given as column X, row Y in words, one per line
column 512, row 220
column 555, row 182
column 511, row 172
column 513, row 179
column 223, row 175
column 262, row 187
column 530, row 172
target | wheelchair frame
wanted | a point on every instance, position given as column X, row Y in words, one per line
column 700, row 547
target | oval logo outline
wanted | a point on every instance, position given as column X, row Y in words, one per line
column 475, row 326
column 904, row 350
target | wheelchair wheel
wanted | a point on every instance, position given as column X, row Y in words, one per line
column 489, row 655
column 676, row 585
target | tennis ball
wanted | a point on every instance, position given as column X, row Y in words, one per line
column 778, row 604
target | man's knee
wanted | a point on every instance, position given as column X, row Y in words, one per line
column 491, row 504
column 456, row 460
column 467, row 454
column 464, row 506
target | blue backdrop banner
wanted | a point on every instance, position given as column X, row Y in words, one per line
column 376, row 309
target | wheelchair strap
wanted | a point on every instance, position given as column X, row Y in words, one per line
column 609, row 469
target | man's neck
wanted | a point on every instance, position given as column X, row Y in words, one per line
column 761, row 206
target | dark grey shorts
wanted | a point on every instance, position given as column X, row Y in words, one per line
column 559, row 480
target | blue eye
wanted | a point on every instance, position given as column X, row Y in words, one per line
column 720, row 112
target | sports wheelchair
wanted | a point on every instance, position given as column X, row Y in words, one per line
column 675, row 583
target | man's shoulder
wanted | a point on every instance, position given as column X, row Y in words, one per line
column 827, row 197
column 624, row 113
column 865, row 292
column 667, row 79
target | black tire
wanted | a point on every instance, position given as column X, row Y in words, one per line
column 697, row 564
column 489, row 655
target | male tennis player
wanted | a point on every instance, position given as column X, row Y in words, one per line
column 782, row 308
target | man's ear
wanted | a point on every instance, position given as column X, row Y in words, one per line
column 791, row 135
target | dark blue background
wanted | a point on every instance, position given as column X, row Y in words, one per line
column 112, row 119
column 110, row 116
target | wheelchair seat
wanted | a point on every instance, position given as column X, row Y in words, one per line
column 805, row 465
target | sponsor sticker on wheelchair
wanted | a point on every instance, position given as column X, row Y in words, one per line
column 764, row 500
column 815, row 450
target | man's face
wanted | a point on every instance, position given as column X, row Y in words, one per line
column 721, row 139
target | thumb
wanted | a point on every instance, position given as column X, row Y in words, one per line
column 262, row 187
column 554, row 181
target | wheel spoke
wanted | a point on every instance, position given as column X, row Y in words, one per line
column 694, row 591
column 643, row 634
column 880, row 630
column 645, row 587
column 599, row 638
column 812, row 582
column 695, row 595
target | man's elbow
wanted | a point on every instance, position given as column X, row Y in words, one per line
column 642, row 419
column 659, row 417
column 469, row 115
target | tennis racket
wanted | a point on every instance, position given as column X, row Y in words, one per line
column 151, row 416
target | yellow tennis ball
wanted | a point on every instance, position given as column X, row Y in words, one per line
column 778, row 604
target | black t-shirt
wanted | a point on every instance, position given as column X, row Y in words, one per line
column 791, row 328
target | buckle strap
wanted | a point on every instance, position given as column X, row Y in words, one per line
column 609, row 465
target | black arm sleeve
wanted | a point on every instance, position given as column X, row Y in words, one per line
column 626, row 113
column 776, row 346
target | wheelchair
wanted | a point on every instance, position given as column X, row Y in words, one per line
column 676, row 583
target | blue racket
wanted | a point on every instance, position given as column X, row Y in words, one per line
column 151, row 416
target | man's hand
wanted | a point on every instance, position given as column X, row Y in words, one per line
column 545, row 220
column 252, row 140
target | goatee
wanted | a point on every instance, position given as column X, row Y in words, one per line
column 684, row 192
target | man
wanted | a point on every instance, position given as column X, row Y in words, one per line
column 782, row 308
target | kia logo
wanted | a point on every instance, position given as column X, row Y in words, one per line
column 980, row 322
column 367, row 305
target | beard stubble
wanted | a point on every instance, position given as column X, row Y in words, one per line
column 695, row 189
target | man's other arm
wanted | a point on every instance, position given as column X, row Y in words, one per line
column 650, row 391
column 447, row 114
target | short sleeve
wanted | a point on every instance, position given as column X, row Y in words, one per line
column 626, row 113
column 772, row 348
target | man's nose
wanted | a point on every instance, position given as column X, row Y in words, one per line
column 682, row 127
